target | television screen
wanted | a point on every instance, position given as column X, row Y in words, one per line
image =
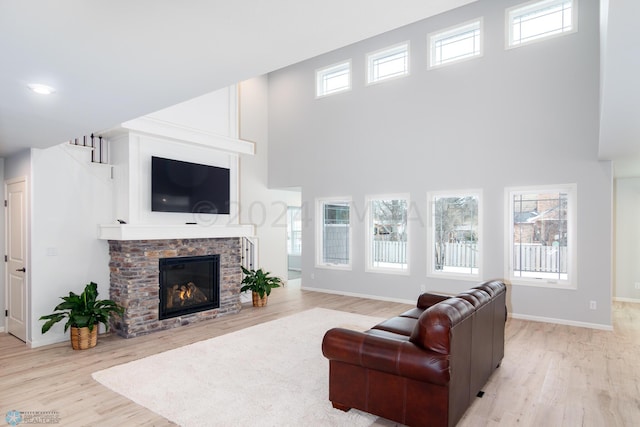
column 178, row 186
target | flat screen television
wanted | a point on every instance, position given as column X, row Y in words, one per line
column 178, row 186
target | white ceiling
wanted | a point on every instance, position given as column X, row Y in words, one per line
column 114, row 60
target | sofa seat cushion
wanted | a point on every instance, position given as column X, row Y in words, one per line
column 398, row 325
column 413, row 313
column 387, row 334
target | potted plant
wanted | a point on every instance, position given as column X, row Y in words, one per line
column 83, row 313
column 260, row 284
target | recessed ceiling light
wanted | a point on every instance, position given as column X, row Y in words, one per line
column 41, row 89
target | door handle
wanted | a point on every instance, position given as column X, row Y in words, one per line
column 24, row 270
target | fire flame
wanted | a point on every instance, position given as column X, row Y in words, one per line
column 185, row 293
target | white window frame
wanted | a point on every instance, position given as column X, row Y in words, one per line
column 431, row 271
column 532, row 6
column 369, row 267
column 322, row 73
column 373, row 57
column 572, row 205
column 459, row 29
column 320, row 223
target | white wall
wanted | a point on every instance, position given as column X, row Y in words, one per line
column 213, row 112
column 260, row 205
column 627, row 247
column 517, row 117
column 70, row 197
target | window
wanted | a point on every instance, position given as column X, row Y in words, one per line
column 454, row 239
column 333, row 233
column 542, row 236
column 540, row 20
column 455, row 44
column 388, row 63
column 294, row 230
column 387, row 231
column 333, row 79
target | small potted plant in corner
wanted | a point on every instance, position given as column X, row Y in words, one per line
column 83, row 313
column 260, row 284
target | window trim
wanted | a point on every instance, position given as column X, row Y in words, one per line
column 451, row 31
column 368, row 234
column 319, row 243
column 530, row 6
column 387, row 51
column 572, row 227
column 321, row 72
column 431, row 238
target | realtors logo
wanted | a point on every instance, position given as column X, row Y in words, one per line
column 15, row 418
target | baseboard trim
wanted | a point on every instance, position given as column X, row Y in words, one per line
column 353, row 294
column 1, row 329
column 622, row 299
column 561, row 321
column 512, row 315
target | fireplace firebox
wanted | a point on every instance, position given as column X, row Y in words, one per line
column 189, row 285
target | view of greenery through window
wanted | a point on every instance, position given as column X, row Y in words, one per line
column 388, row 243
column 455, row 234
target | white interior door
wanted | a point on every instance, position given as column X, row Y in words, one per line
column 16, row 258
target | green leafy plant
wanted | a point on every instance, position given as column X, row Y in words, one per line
column 84, row 310
column 259, row 281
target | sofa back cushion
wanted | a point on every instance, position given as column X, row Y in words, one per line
column 434, row 327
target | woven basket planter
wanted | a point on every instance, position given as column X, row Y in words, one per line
column 257, row 301
column 83, row 338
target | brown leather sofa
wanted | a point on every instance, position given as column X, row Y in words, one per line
column 425, row 366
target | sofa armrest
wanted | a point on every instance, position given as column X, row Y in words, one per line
column 428, row 299
column 392, row 356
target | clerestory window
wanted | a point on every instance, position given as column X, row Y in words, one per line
column 333, row 79
column 455, row 44
column 388, row 63
column 539, row 20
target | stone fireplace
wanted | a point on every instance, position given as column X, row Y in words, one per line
column 135, row 269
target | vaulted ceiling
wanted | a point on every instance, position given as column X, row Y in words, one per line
column 111, row 61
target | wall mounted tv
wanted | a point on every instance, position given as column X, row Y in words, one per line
column 178, row 186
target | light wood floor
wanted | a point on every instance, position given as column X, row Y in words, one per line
column 551, row 375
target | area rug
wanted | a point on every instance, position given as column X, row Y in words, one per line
column 271, row 374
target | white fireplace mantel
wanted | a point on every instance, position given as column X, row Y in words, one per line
column 181, row 231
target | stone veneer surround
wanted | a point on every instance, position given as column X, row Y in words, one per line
column 135, row 280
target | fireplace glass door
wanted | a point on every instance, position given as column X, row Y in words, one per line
column 189, row 285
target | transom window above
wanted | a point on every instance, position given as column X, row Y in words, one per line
column 455, row 44
column 333, row 79
column 539, row 20
column 388, row 63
